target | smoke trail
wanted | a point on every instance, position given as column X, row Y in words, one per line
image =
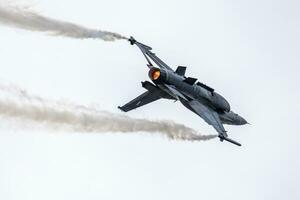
column 22, row 17
column 67, row 116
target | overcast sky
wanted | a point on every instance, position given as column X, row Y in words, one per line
column 247, row 50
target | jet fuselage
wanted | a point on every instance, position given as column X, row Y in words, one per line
column 193, row 90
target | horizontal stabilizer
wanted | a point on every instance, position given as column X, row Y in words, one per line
column 149, row 86
column 155, row 90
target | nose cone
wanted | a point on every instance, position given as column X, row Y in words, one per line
column 242, row 121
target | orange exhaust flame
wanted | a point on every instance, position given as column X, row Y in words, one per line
column 155, row 75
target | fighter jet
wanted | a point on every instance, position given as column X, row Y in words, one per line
column 194, row 95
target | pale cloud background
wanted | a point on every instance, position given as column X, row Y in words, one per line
column 247, row 50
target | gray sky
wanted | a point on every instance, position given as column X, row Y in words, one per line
column 246, row 50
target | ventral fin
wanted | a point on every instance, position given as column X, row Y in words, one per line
column 190, row 80
column 205, row 86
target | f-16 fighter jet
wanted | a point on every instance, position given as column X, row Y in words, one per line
column 196, row 96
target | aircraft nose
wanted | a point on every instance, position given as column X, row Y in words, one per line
column 243, row 121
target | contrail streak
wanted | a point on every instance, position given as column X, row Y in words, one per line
column 24, row 18
column 67, row 116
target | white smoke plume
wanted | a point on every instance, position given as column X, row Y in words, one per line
column 17, row 104
column 24, row 18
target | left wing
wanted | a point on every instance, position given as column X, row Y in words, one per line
column 210, row 116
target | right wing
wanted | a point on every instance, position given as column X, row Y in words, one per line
column 143, row 99
column 210, row 116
